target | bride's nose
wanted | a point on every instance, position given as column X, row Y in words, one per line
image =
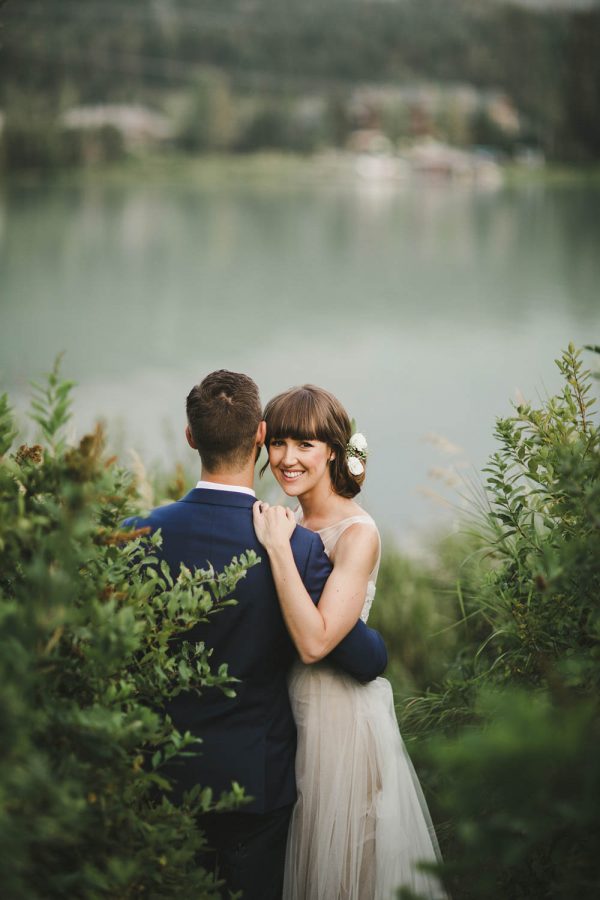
column 289, row 456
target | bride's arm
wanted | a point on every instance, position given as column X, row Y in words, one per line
column 316, row 630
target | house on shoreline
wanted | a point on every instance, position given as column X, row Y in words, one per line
column 137, row 127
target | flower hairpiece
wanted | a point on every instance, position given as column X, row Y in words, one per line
column 356, row 453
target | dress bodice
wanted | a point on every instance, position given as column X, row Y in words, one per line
column 330, row 537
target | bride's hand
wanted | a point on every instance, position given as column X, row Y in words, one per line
column 274, row 525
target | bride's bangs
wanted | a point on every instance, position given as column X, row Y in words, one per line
column 298, row 414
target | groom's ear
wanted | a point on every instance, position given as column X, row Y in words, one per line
column 190, row 438
column 261, row 433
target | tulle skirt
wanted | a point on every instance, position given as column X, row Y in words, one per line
column 360, row 824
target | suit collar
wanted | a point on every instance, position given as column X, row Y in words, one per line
column 219, row 498
column 220, row 486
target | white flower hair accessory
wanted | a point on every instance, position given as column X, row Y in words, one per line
column 356, row 453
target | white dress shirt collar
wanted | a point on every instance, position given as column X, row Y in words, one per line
column 235, row 488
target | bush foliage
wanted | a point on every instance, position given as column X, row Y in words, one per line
column 513, row 728
column 87, row 615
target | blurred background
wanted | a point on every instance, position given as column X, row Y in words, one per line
column 395, row 199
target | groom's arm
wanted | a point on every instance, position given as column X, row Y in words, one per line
column 362, row 652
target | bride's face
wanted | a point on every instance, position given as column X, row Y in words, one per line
column 299, row 465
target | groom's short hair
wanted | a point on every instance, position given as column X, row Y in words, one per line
column 224, row 413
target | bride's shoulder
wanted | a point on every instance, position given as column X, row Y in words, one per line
column 359, row 541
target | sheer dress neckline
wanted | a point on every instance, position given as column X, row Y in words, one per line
column 358, row 516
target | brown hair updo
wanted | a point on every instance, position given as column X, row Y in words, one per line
column 312, row 413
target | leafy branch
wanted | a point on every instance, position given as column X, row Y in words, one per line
column 51, row 406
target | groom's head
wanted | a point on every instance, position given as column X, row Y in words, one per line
column 224, row 420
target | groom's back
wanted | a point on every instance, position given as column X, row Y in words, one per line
column 250, row 738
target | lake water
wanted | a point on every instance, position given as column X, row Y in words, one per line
column 425, row 307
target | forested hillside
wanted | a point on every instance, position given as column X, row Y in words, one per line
column 547, row 61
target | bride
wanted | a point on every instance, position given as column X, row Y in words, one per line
column 360, row 825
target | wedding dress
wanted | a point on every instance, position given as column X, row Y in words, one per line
column 360, row 823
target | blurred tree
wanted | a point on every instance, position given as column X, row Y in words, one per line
column 208, row 121
column 581, row 130
column 339, row 125
column 267, row 129
column 31, row 137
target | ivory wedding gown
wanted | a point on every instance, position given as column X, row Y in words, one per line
column 360, row 823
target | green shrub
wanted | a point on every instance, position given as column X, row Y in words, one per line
column 513, row 726
column 86, row 665
column 518, row 796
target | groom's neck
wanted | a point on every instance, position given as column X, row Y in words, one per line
column 244, row 478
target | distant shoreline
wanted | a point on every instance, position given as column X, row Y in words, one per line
column 274, row 169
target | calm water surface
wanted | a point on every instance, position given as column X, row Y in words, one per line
column 426, row 308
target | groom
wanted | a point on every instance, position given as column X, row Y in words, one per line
column 250, row 738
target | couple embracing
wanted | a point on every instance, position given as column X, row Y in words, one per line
column 337, row 812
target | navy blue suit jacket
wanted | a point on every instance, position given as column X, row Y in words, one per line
column 250, row 738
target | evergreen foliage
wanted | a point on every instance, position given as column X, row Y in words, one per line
column 87, row 661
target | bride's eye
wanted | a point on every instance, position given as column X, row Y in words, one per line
column 306, row 444
column 275, row 442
